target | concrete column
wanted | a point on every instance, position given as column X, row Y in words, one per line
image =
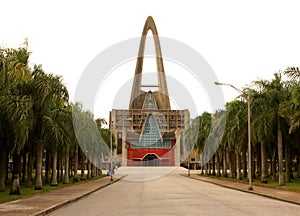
column 177, row 147
column 124, row 147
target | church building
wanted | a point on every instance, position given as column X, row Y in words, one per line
column 149, row 132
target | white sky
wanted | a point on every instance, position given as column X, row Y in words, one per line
column 241, row 41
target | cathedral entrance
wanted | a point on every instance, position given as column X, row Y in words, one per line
column 150, row 160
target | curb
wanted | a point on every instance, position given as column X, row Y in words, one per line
column 242, row 190
column 68, row 202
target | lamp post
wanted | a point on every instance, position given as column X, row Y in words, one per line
column 111, row 177
column 249, row 132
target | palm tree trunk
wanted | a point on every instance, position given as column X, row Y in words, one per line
column 264, row 166
column 2, row 169
column 82, row 167
column 54, row 169
column 230, row 161
column 39, row 163
column 202, row 165
column 273, row 165
column 15, row 188
column 214, row 165
column 298, row 165
column 29, row 169
column 244, row 161
column 58, row 169
column 24, row 167
column 47, row 167
column 208, row 168
column 93, row 170
column 66, row 177
column 75, row 178
column 218, row 164
column 258, row 161
column 89, row 169
column 71, row 168
column 288, row 162
column 252, row 166
column 61, row 169
column 238, row 165
column 224, row 173
column 6, row 166
column 280, row 158
column 234, row 165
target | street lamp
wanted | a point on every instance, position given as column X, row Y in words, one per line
column 249, row 132
column 111, row 177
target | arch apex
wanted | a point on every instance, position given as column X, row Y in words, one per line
column 150, row 25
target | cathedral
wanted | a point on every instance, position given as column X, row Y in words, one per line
column 149, row 132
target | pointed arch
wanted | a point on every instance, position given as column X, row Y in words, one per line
column 162, row 83
column 149, row 102
column 150, row 136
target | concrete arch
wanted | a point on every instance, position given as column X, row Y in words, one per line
column 162, row 83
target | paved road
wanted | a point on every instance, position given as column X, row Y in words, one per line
column 174, row 194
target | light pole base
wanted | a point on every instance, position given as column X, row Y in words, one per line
column 111, row 178
column 250, row 188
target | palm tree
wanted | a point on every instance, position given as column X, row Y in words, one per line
column 15, row 107
column 92, row 142
column 3, row 125
column 262, row 123
column 47, row 90
column 19, row 113
column 191, row 138
column 290, row 110
column 214, row 139
column 293, row 73
column 70, row 142
column 54, row 138
column 203, row 125
column 276, row 94
column 30, row 105
column 235, row 134
column 100, row 122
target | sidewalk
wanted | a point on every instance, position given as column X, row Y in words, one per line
column 274, row 193
column 44, row 203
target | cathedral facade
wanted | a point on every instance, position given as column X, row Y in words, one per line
column 149, row 132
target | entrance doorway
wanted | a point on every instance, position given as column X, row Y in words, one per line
column 150, row 160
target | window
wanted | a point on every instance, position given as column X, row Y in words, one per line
column 151, row 136
column 149, row 103
column 119, row 146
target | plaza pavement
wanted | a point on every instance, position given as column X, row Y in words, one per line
column 44, row 203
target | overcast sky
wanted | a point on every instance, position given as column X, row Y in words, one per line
column 240, row 41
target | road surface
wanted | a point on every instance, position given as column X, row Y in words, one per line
column 173, row 194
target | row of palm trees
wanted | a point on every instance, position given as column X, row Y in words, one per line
column 36, row 125
column 221, row 138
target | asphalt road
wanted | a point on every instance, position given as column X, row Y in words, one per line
column 174, row 194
